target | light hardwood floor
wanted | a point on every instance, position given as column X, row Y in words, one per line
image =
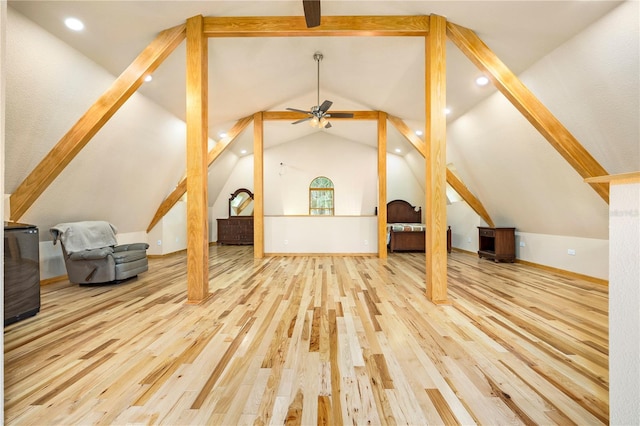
column 314, row 340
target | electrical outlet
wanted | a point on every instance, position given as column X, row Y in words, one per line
column 468, row 239
column 159, row 242
column 571, row 252
column 366, row 242
column 522, row 244
column 286, row 242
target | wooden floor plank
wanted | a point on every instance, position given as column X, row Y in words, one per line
column 314, row 340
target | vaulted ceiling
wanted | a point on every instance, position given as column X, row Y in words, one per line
column 361, row 73
column 357, row 73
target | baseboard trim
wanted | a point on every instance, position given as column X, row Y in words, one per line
column 569, row 274
column 161, row 256
column 323, row 254
column 53, row 280
column 564, row 272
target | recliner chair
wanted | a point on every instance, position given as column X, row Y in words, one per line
column 92, row 256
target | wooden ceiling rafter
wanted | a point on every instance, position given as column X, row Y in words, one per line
column 452, row 179
column 529, row 105
column 92, row 121
column 295, row 26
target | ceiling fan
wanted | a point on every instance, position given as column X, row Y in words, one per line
column 319, row 113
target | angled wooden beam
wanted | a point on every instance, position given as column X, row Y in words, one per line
column 292, row 115
column 382, row 185
column 452, row 179
column 468, row 197
column 168, row 203
column 404, row 130
column 435, row 213
column 197, row 141
column 295, row 26
column 93, row 120
column 528, row 105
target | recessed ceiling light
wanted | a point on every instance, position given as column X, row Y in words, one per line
column 148, row 78
column 222, row 134
column 74, row 24
column 482, row 81
column 447, row 111
column 244, row 151
column 419, row 132
column 398, row 150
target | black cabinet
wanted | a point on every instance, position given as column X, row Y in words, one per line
column 21, row 272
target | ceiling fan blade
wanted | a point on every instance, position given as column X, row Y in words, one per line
column 311, row 12
column 340, row 115
column 325, row 106
column 328, row 125
column 301, row 120
column 298, row 110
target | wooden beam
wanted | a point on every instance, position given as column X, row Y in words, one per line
column 292, row 115
column 529, row 106
column 435, row 182
column 468, row 197
column 96, row 116
column 295, row 26
column 258, row 186
column 404, row 130
column 382, row 185
column 197, row 140
column 631, row 177
column 168, row 203
column 452, row 179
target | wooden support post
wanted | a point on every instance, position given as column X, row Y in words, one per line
column 197, row 137
column 435, row 184
column 258, row 186
column 382, row 185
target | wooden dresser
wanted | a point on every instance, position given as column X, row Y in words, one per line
column 498, row 244
column 235, row 230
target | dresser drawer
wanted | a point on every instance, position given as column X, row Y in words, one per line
column 484, row 232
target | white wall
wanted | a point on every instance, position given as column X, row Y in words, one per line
column 624, row 305
column 402, row 183
column 315, row 234
column 170, row 233
column 591, row 84
column 129, row 163
column 464, row 224
column 351, row 166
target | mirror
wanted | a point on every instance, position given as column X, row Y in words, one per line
column 241, row 203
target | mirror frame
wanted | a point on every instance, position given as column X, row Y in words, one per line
column 235, row 194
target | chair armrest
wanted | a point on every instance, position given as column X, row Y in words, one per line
column 134, row 246
column 92, row 254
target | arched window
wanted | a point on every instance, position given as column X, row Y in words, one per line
column 321, row 196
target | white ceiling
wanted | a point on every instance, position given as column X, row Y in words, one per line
column 360, row 73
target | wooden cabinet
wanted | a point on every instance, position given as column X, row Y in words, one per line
column 235, row 230
column 498, row 244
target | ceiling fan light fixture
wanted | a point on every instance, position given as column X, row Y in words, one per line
column 316, row 115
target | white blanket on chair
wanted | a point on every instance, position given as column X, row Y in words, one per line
column 87, row 235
